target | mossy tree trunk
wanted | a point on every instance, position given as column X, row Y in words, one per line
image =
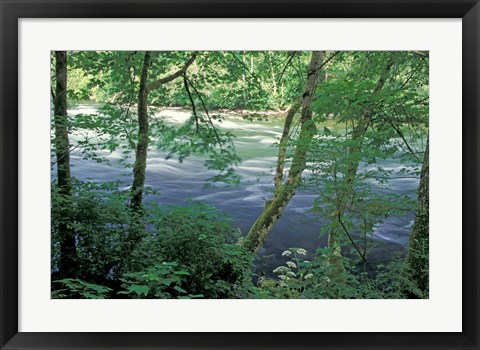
column 137, row 230
column 284, row 192
column 140, row 165
column 417, row 256
column 282, row 148
column 68, row 252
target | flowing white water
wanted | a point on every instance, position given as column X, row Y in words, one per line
column 179, row 183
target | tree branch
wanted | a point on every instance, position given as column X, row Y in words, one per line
column 423, row 54
column 194, row 109
column 350, row 237
column 326, row 61
column 410, row 76
column 156, row 84
column 206, row 111
column 129, row 139
column 244, row 65
column 286, row 66
column 400, row 133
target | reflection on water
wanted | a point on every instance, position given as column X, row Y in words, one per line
column 179, row 183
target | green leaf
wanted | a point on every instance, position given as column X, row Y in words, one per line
column 168, row 281
column 181, row 273
column 180, row 290
column 139, row 289
column 152, row 277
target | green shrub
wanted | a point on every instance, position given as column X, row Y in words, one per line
column 161, row 281
column 100, row 217
column 204, row 244
column 72, row 288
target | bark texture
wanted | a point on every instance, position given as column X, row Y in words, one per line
column 137, row 230
column 142, row 144
column 143, row 124
column 67, row 234
column 282, row 148
column 417, row 257
column 274, row 209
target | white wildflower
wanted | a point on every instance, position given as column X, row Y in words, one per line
column 301, row 251
column 291, row 264
column 281, row 269
column 291, row 274
column 283, row 277
column 287, row 253
column 308, row 276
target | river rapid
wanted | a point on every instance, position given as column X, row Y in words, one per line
column 179, row 183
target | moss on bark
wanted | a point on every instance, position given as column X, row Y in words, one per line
column 68, row 253
column 142, row 144
column 284, row 192
column 418, row 252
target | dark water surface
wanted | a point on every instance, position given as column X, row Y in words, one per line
column 179, row 183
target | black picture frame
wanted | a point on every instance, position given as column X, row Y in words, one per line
column 12, row 11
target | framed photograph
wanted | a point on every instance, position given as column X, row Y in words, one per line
column 239, row 174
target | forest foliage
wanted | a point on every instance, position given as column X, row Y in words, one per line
column 343, row 113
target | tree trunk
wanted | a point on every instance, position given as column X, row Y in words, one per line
column 142, row 144
column 273, row 210
column 335, row 258
column 417, row 256
column 244, row 83
column 137, row 230
column 354, row 152
column 272, row 72
column 282, row 148
column 67, row 235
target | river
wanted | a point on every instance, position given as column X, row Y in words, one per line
column 179, row 183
